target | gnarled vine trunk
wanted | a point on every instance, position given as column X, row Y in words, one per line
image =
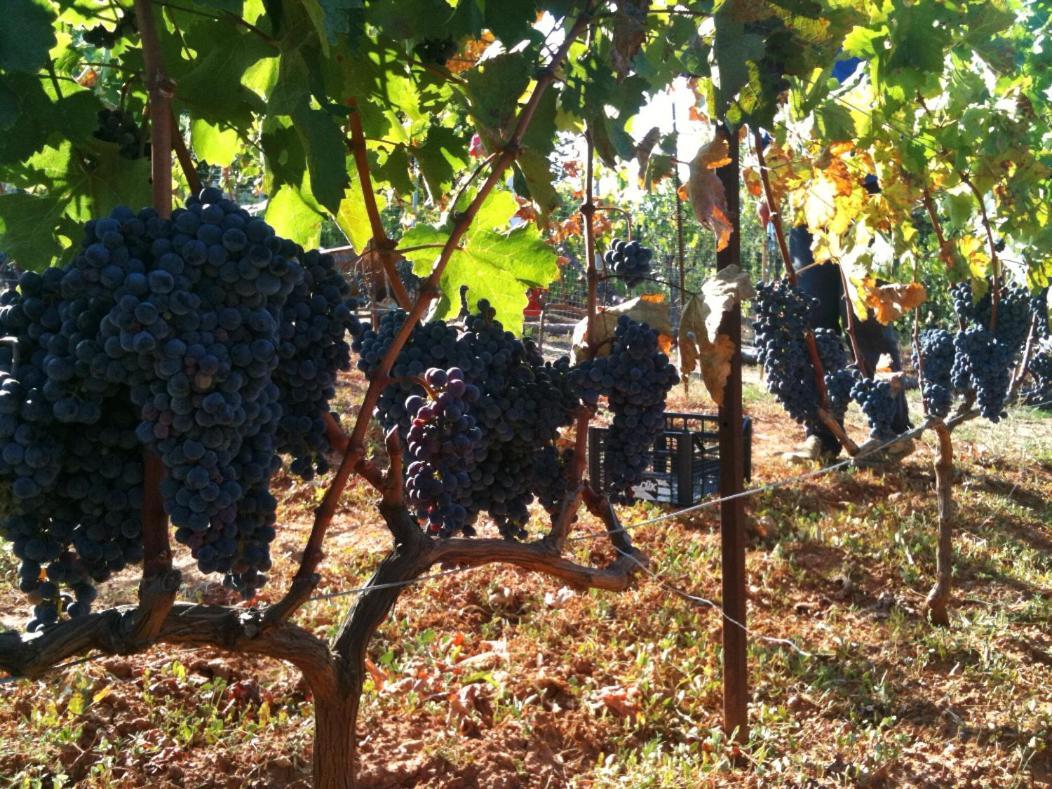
column 939, row 596
column 336, row 739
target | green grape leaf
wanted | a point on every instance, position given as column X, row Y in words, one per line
column 324, row 144
column 26, row 34
column 495, row 263
column 352, row 218
column 212, row 86
column 294, row 214
column 393, row 169
column 536, row 171
column 212, row 144
column 733, row 48
column 8, row 105
column 441, row 158
column 28, row 229
column 493, row 88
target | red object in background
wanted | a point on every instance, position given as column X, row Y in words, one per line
column 536, row 297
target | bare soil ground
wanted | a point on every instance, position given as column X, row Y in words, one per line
column 493, row 678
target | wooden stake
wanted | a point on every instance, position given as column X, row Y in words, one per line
column 732, row 453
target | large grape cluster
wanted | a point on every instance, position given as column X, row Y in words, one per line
column 523, row 402
column 442, row 441
column 936, row 358
column 314, row 323
column 781, row 322
column 163, row 333
column 628, row 261
column 636, row 377
column 983, row 365
column 1014, row 311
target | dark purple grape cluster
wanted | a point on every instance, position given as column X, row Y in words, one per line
column 983, row 365
column 550, row 480
column 1014, row 311
column 781, row 320
column 635, row 378
column 878, row 402
column 119, row 127
column 629, row 261
column 523, row 403
column 840, row 377
column 1040, row 368
column 442, row 441
column 937, row 355
column 315, row 320
column 163, row 333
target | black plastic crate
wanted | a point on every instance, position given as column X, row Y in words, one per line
column 684, row 465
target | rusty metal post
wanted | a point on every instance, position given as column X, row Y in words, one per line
column 732, row 453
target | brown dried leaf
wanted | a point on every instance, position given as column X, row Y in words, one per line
column 696, row 350
column 653, row 313
column 645, row 147
column 713, row 154
column 709, row 200
column 891, row 302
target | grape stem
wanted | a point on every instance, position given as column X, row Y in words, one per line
column 186, row 162
column 380, row 244
column 354, row 452
column 838, row 430
column 945, row 249
column 849, row 312
column 416, row 380
column 995, row 262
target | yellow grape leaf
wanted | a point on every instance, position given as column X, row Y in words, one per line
column 848, row 210
column 752, row 181
column 841, row 176
column 707, row 195
column 842, row 147
column 780, row 168
column 819, row 205
column 974, row 251
column 891, row 302
column 713, row 359
column 653, row 313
